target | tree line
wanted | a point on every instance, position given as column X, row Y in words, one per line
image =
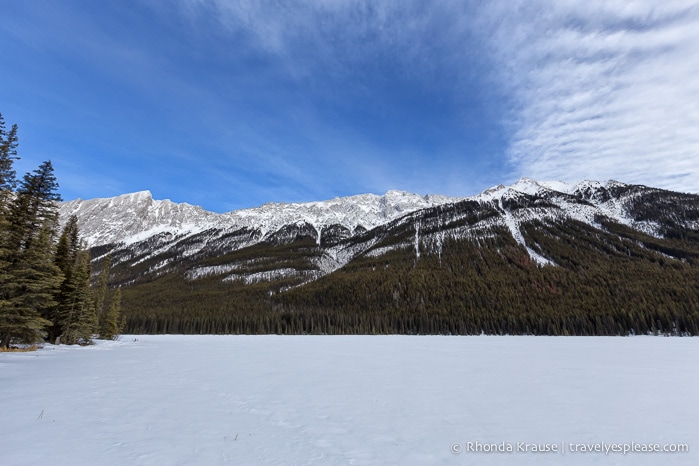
column 45, row 274
column 613, row 282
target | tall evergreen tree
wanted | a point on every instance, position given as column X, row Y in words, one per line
column 75, row 314
column 107, row 305
column 8, row 154
column 66, row 258
column 8, row 182
column 101, row 289
column 29, row 294
column 68, row 245
column 34, row 204
column 112, row 324
column 29, row 277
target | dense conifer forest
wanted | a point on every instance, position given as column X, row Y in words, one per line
column 617, row 281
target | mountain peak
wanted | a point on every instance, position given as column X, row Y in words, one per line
column 127, row 218
column 138, row 196
column 398, row 193
column 132, row 217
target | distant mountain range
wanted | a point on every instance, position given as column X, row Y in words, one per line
column 133, row 217
column 293, row 268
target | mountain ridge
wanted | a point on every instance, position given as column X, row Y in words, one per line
column 363, row 210
column 534, row 257
column 154, row 228
column 138, row 215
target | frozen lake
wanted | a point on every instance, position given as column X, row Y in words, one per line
column 361, row 400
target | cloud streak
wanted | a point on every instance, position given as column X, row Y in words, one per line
column 597, row 89
column 233, row 104
column 377, row 80
column 602, row 89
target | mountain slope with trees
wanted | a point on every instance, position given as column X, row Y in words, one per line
column 594, row 259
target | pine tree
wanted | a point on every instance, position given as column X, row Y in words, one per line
column 101, row 289
column 66, row 258
column 112, row 324
column 34, row 204
column 29, row 277
column 68, row 245
column 75, row 317
column 8, row 154
column 75, row 314
column 30, row 292
column 7, row 183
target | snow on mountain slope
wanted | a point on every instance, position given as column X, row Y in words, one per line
column 134, row 217
column 512, row 225
column 365, row 210
column 566, row 197
column 131, row 218
column 523, row 202
column 162, row 234
column 533, row 187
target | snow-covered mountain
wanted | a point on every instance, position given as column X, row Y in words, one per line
column 155, row 237
column 534, row 257
column 135, row 217
column 131, row 218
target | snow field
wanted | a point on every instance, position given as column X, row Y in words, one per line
column 360, row 400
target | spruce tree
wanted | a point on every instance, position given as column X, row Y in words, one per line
column 112, row 324
column 34, row 204
column 29, row 294
column 107, row 306
column 68, row 245
column 8, row 182
column 65, row 259
column 75, row 314
column 100, row 291
column 29, row 277
column 8, row 154
column 6, row 172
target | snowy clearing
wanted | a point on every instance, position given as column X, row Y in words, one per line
column 367, row 400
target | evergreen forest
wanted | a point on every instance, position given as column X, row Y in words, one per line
column 46, row 272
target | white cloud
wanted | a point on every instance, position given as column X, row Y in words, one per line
column 602, row 89
column 599, row 89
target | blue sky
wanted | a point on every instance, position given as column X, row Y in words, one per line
column 233, row 104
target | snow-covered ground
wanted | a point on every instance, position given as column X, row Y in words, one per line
column 369, row 400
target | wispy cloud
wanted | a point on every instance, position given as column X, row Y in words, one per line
column 381, row 84
column 602, row 89
column 336, row 33
column 232, row 104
